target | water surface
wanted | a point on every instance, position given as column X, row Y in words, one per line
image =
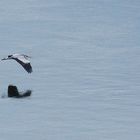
column 86, row 70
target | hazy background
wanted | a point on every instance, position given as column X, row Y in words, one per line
column 86, row 69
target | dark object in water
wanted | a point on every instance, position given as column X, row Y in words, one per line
column 13, row 92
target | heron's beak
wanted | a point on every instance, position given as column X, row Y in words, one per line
column 4, row 59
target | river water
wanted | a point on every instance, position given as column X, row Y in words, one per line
column 86, row 69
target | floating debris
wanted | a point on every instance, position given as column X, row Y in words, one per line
column 14, row 93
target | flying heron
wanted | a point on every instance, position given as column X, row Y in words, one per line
column 21, row 59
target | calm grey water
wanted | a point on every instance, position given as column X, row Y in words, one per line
column 86, row 79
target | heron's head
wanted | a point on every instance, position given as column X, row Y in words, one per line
column 9, row 57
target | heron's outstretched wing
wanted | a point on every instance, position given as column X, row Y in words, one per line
column 25, row 64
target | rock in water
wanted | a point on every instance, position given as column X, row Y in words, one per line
column 13, row 92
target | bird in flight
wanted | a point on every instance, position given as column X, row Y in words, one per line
column 21, row 59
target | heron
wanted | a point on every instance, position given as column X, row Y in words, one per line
column 21, row 59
